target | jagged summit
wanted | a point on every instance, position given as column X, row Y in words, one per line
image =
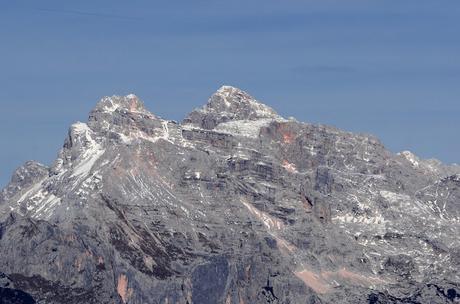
column 236, row 205
column 232, row 99
column 124, row 118
column 24, row 176
column 110, row 104
column 228, row 104
column 116, row 106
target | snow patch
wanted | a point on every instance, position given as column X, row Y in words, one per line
column 110, row 106
column 394, row 197
column 137, row 134
column 165, row 131
column 92, row 150
column 411, row 157
column 246, row 128
column 360, row 219
column 32, row 191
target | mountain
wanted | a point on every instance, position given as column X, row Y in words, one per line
column 236, row 204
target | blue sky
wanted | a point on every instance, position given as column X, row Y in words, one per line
column 389, row 68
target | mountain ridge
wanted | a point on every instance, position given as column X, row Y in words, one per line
column 234, row 205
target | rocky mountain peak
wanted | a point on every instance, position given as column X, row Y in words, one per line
column 128, row 103
column 24, row 176
column 237, row 205
column 29, row 171
column 229, row 103
column 122, row 115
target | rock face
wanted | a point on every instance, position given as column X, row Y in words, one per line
column 233, row 205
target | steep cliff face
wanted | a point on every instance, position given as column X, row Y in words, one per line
column 234, row 205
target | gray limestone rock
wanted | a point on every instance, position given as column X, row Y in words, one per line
column 25, row 176
column 234, row 205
